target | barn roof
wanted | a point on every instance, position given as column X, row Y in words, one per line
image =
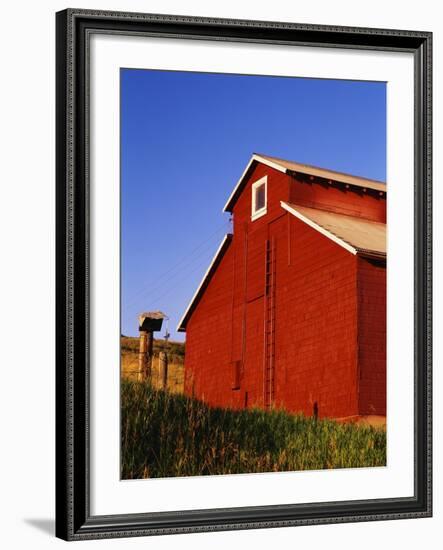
column 291, row 167
column 181, row 327
column 356, row 235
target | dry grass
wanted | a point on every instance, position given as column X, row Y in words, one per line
column 175, row 350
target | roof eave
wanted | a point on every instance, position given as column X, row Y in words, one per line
column 371, row 254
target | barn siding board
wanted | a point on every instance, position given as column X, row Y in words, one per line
column 372, row 337
column 317, row 320
column 256, row 262
column 330, row 310
column 253, row 361
column 208, row 339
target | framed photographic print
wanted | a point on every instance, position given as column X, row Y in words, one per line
column 243, row 274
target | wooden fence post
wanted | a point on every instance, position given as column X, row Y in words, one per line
column 163, row 369
column 142, row 355
column 148, row 323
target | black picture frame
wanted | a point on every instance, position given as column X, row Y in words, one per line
column 73, row 518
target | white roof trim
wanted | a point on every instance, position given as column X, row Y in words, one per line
column 254, row 158
column 319, row 228
column 180, row 328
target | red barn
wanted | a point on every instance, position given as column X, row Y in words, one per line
column 292, row 310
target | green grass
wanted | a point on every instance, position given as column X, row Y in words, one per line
column 165, row 435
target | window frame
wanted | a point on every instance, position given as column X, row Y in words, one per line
column 261, row 211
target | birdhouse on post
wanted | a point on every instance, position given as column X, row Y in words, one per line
column 148, row 323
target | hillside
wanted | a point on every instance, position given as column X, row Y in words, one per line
column 176, row 350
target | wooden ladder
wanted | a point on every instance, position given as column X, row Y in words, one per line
column 269, row 324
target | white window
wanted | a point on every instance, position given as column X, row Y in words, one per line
column 259, row 198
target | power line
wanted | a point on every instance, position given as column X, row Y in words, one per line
column 173, row 288
column 187, row 256
column 148, row 291
column 189, row 259
column 197, row 267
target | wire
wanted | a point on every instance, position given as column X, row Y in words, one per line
column 156, row 298
column 173, row 288
column 177, row 269
column 152, row 290
column 188, row 255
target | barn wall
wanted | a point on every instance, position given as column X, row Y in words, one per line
column 208, row 339
column 350, row 201
column 315, row 333
column 316, row 324
column 372, row 336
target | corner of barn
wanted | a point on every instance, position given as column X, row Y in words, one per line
column 372, row 320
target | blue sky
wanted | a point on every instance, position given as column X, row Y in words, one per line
column 185, row 140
